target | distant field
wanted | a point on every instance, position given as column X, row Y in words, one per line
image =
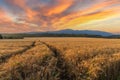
column 60, row 59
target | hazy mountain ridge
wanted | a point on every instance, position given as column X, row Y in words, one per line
column 70, row 31
column 89, row 32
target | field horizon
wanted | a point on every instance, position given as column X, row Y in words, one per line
column 62, row 33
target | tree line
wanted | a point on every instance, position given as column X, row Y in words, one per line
column 21, row 36
column 1, row 37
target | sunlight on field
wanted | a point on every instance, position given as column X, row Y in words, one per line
column 60, row 59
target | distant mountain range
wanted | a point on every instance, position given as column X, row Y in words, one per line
column 76, row 32
column 63, row 33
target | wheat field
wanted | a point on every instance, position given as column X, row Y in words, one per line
column 60, row 59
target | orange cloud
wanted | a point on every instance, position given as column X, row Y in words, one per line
column 61, row 7
column 23, row 5
column 68, row 23
column 56, row 14
column 4, row 18
column 95, row 7
column 100, row 6
column 8, row 25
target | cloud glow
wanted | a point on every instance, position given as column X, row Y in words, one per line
column 48, row 15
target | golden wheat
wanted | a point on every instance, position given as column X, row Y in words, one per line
column 61, row 59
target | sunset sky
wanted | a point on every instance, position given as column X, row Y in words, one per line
column 49, row 15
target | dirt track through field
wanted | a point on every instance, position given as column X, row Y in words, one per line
column 61, row 64
column 3, row 59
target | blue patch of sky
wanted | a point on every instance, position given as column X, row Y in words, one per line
column 2, row 3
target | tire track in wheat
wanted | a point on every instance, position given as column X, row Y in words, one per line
column 3, row 59
column 41, row 65
column 61, row 64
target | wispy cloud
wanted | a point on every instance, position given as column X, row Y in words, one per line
column 43, row 15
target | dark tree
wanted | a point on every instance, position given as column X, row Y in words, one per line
column 1, row 37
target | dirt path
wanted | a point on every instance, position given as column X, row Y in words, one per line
column 4, row 58
column 61, row 64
